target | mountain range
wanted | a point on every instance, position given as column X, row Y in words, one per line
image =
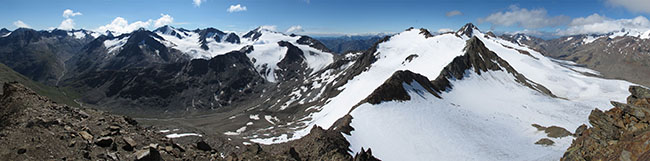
column 464, row 95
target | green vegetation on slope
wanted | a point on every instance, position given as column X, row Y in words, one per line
column 64, row 96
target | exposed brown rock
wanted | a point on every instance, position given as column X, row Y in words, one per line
column 620, row 133
column 545, row 142
column 556, row 132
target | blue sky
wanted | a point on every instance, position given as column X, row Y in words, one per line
column 327, row 16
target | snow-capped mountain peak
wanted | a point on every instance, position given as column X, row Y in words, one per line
column 467, row 30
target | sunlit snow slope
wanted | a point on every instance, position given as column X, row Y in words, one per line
column 483, row 117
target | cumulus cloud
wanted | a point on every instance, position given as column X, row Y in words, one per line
column 597, row 24
column 120, row 25
column 69, row 13
column 21, row 24
column 632, row 5
column 269, row 27
column 67, row 24
column 197, row 2
column 164, row 19
column 236, row 8
column 295, row 29
column 522, row 17
column 453, row 13
column 444, row 30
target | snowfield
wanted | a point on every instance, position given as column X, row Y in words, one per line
column 483, row 117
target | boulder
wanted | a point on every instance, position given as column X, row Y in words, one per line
column 104, row 141
column 202, row 145
column 148, row 154
column 130, row 143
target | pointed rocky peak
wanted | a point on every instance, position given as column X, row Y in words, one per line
column 490, row 35
column 254, row 34
column 210, row 33
column 426, row 33
column 467, row 30
column 59, row 32
column 480, row 59
column 396, row 87
column 168, row 30
column 4, row 32
column 232, row 38
column 26, row 35
column 109, row 34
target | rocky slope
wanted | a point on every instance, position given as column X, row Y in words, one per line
column 346, row 44
column 34, row 128
column 41, row 55
column 620, row 133
column 618, row 55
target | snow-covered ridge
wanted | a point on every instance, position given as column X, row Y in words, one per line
column 266, row 51
column 488, row 114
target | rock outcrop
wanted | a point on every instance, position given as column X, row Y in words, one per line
column 620, row 133
column 32, row 127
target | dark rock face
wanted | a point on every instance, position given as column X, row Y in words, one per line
column 346, row 44
column 254, row 34
column 39, row 55
column 623, row 57
column 467, row 30
column 481, row 59
column 142, row 49
column 293, row 64
column 199, row 84
column 393, row 88
column 232, row 38
column 306, row 40
column 620, row 133
column 4, row 32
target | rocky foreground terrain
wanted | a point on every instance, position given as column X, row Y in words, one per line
column 33, row 127
column 620, row 133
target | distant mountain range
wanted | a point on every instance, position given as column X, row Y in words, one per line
column 618, row 55
column 414, row 95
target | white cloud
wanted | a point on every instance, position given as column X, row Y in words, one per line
column 69, row 13
column 453, row 13
column 591, row 19
column 120, row 25
column 67, row 24
column 197, row 2
column 165, row 19
column 269, row 27
column 236, row 8
column 295, row 29
column 444, row 30
column 521, row 17
column 597, row 24
column 21, row 24
column 632, row 5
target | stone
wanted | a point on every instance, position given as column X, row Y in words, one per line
column 179, row 147
column 556, row 132
column 545, row 142
column 104, row 141
column 148, row 154
column 86, row 136
column 22, row 151
column 130, row 143
column 202, row 145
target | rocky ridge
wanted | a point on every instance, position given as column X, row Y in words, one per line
column 620, row 133
column 34, row 128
